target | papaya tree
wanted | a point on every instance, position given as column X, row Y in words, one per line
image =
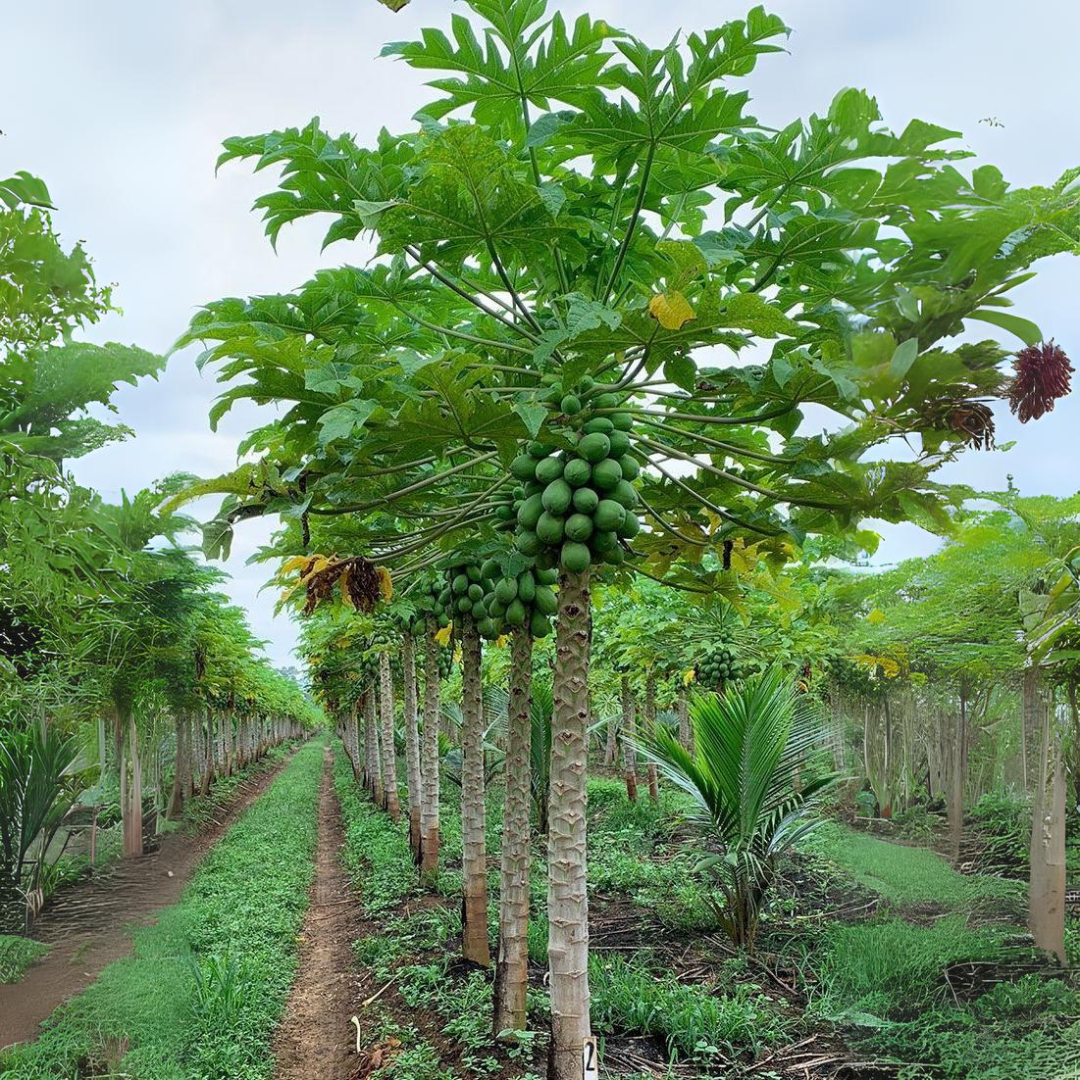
column 573, row 246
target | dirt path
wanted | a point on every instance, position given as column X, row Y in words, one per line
column 316, row 1039
column 89, row 926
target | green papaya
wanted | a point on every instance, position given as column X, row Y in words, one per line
column 570, row 405
column 526, row 587
column 575, row 557
column 551, row 468
column 545, row 601
column 606, row 474
column 598, row 423
column 594, row 447
column 550, row 528
column 515, row 613
column 630, row 527
column 577, row 472
column 506, row 590
column 528, row 543
column 523, row 467
column 585, row 499
column 624, row 494
column 557, row 496
column 539, row 626
column 609, row 515
column 530, row 511
column 629, row 467
column 579, row 527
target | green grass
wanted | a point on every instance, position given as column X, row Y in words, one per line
column 16, row 955
column 694, row 1023
column 908, row 876
column 205, row 988
column 376, row 852
column 883, row 984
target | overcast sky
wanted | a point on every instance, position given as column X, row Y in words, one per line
column 121, row 106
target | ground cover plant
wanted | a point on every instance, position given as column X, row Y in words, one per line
column 204, row 990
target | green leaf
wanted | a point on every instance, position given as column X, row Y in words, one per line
column 1024, row 329
column 532, row 414
column 343, row 421
column 906, row 354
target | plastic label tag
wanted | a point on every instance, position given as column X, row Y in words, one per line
column 590, row 1059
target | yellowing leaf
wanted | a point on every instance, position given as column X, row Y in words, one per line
column 671, row 310
column 315, row 565
column 457, row 655
column 293, row 564
column 877, row 616
column 689, row 676
column 715, row 521
column 386, row 582
column 443, row 636
column 343, row 584
column 501, row 641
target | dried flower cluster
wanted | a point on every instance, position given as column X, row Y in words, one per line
column 1041, row 375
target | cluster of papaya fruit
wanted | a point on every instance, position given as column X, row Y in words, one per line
column 718, row 666
column 525, row 601
column 574, row 506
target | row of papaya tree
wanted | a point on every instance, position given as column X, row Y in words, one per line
column 116, row 645
column 599, row 309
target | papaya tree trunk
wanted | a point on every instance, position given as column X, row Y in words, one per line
column 132, row 809
column 371, row 747
column 412, row 742
column 568, row 899
column 182, row 770
column 650, row 731
column 429, row 814
column 473, row 822
column 389, row 753
column 629, row 734
column 208, row 759
column 686, row 733
column 512, row 965
column 1046, row 895
column 956, row 784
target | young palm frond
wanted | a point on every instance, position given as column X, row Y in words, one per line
column 751, row 743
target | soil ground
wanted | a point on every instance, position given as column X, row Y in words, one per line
column 90, row 925
column 316, row 1039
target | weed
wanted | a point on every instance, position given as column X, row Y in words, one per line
column 16, row 955
column 695, row 1023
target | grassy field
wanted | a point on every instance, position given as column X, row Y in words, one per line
column 203, row 992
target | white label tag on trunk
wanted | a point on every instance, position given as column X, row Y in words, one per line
column 590, row 1059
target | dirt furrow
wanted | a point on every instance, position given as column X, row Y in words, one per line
column 316, row 1039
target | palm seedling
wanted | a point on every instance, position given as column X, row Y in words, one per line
column 751, row 745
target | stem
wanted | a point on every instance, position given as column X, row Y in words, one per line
column 568, row 901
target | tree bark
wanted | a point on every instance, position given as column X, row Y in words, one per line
column 182, row 770
column 568, row 899
column 389, row 751
column 412, row 743
column 686, row 733
column 473, row 821
column 429, row 812
column 1046, row 895
column 132, row 808
column 372, row 756
column 650, row 731
column 956, row 781
column 512, row 965
column 629, row 734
